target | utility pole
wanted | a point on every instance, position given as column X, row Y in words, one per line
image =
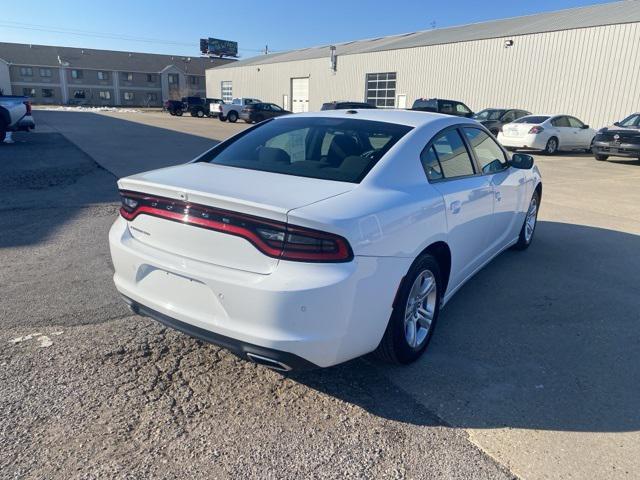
column 266, row 49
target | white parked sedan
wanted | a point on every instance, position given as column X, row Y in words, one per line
column 549, row 133
column 312, row 239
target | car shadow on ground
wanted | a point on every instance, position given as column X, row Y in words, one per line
column 544, row 339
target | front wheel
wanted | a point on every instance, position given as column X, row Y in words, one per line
column 179, row 113
column 414, row 314
column 529, row 226
column 200, row 113
column 601, row 158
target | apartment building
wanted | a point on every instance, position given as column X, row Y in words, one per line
column 81, row 76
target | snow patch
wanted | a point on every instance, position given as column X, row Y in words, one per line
column 80, row 108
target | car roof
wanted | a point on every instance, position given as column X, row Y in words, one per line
column 401, row 117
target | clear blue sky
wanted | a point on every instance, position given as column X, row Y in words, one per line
column 175, row 26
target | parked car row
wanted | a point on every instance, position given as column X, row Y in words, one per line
column 15, row 115
column 195, row 106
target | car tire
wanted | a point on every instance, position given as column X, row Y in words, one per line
column 3, row 131
column 530, row 222
column 408, row 332
column 232, row 117
column 552, row 146
column 601, row 158
column 200, row 113
column 221, row 118
column 172, row 113
column 178, row 113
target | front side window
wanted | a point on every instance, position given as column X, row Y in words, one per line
column 106, row 95
column 26, row 71
column 324, row 148
column 446, row 107
column 488, row 154
column 575, row 123
column 45, row 72
column 381, row 89
column 461, row 108
column 76, row 74
column 509, row 117
column 226, row 91
column 488, row 114
column 452, row 155
column 275, row 108
column 29, row 92
column 631, row 121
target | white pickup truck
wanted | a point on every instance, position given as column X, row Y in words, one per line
column 231, row 111
column 15, row 115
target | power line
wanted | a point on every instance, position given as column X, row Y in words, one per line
column 111, row 36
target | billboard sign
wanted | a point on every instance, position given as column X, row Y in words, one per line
column 218, row 47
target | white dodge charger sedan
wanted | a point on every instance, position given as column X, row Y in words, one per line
column 311, row 239
column 549, row 133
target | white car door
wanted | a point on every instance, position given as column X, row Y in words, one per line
column 508, row 184
column 468, row 199
column 566, row 135
column 584, row 135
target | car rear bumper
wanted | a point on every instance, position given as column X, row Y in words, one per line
column 302, row 314
column 620, row 150
column 530, row 142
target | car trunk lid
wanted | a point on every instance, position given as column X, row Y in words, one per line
column 215, row 193
column 517, row 129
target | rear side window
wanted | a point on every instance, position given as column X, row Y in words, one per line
column 424, row 103
column 430, row 163
column 489, row 155
column 534, row 119
column 560, row 122
column 452, row 155
column 325, row 148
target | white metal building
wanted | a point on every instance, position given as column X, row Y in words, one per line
column 581, row 61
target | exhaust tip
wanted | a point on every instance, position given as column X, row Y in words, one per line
column 269, row 362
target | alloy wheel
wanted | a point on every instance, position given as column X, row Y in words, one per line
column 420, row 309
column 530, row 221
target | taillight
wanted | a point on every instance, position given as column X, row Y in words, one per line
column 273, row 238
column 536, row 129
column 28, row 105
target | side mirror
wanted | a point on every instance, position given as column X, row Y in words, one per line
column 617, row 124
column 584, row 127
column 521, row 161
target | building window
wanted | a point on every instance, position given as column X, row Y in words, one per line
column 103, row 75
column 47, row 93
column 151, row 78
column 128, row 95
column 29, row 92
column 193, row 80
column 128, row 76
column 152, row 97
column 45, row 72
column 226, row 91
column 26, row 71
column 79, row 94
column 77, row 74
column 381, row 89
column 172, row 78
column 106, row 95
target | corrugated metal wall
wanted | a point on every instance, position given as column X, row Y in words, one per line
column 590, row 73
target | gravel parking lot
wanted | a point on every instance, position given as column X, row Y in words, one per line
column 534, row 371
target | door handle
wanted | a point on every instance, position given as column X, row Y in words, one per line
column 455, row 207
column 498, row 196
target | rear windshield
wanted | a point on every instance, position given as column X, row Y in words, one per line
column 489, row 115
column 532, row 119
column 424, row 103
column 326, row 148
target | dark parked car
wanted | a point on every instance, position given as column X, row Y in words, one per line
column 174, row 107
column 495, row 118
column 202, row 107
column 345, row 105
column 620, row 140
column 438, row 105
column 258, row 112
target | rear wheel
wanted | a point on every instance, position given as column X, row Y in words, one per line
column 172, row 113
column 179, row 113
column 529, row 226
column 200, row 113
column 552, row 146
column 601, row 158
column 415, row 313
column 233, row 116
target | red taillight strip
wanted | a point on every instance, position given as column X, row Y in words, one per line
column 287, row 251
